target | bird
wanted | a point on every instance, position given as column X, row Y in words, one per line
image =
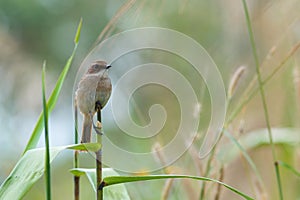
column 94, row 89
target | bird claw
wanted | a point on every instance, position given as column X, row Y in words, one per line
column 98, row 128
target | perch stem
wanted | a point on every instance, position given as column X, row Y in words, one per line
column 99, row 156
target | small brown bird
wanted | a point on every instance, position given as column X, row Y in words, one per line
column 93, row 88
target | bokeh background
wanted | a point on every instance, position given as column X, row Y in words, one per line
column 36, row 30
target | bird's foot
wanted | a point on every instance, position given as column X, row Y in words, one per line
column 98, row 128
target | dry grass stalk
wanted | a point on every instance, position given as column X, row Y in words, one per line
column 219, row 187
column 167, row 189
column 235, row 80
column 114, row 19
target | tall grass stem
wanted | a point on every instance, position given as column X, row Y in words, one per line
column 99, row 156
column 262, row 93
column 47, row 151
column 76, row 153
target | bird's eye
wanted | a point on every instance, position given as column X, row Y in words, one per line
column 96, row 66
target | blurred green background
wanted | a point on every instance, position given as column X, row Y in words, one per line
column 35, row 30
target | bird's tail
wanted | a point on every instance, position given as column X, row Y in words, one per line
column 86, row 129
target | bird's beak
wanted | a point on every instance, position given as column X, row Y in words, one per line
column 108, row 66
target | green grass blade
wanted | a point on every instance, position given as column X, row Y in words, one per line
column 77, row 35
column 35, row 136
column 110, row 193
column 29, row 169
column 289, row 167
column 47, row 152
column 245, row 154
column 86, row 147
column 112, row 180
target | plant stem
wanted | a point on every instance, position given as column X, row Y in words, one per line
column 207, row 170
column 219, row 188
column 47, row 152
column 278, row 179
column 76, row 153
column 212, row 154
column 76, row 185
column 99, row 174
column 99, row 156
column 262, row 92
column 260, row 82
